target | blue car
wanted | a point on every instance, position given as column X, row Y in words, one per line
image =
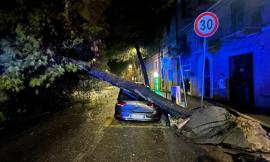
column 132, row 107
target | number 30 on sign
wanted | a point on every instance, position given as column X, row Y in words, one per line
column 206, row 24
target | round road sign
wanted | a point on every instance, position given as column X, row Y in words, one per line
column 206, row 24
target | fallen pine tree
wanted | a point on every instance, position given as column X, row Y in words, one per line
column 145, row 92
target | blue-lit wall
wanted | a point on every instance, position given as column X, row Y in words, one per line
column 257, row 44
column 234, row 43
column 250, row 37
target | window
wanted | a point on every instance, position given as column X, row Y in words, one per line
column 256, row 17
column 237, row 14
column 183, row 9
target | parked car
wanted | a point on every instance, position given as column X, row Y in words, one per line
column 131, row 106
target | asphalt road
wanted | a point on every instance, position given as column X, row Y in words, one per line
column 88, row 132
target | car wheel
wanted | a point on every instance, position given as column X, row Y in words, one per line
column 165, row 120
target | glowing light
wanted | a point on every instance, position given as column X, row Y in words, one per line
column 155, row 75
column 130, row 66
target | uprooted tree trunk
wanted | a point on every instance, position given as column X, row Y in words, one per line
column 143, row 68
column 210, row 125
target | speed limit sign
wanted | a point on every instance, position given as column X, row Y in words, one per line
column 206, row 24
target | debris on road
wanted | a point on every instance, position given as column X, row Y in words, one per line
column 210, row 125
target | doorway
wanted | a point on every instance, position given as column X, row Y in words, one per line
column 241, row 81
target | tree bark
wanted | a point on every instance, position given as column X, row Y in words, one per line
column 143, row 68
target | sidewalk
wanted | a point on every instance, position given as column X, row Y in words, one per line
column 194, row 102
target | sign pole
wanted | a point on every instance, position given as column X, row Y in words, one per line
column 205, row 25
column 203, row 69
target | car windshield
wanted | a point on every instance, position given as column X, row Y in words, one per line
column 127, row 95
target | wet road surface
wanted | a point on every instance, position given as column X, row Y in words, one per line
column 88, row 132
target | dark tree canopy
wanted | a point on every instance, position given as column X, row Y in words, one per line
column 135, row 22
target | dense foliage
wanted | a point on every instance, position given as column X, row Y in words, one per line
column 37, row 40
column 37, row 34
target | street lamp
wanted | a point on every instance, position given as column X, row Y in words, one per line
column 130, row 66
column 155, row 75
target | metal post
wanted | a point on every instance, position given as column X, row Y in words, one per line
column 182, row 80
column 204, row 53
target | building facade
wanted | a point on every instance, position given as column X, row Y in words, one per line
column 153, row 67
column 237, row 67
